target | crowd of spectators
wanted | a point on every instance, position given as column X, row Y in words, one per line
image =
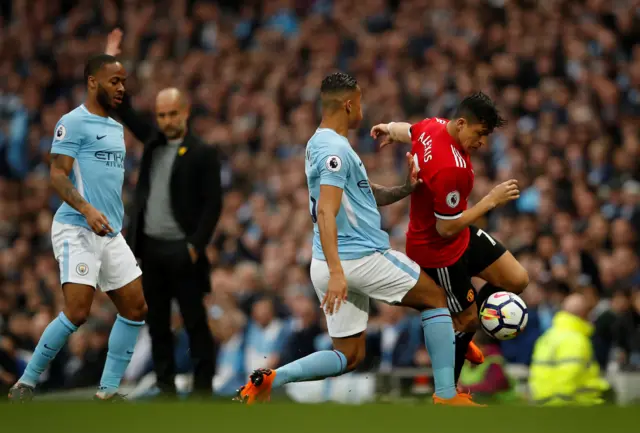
column 565, row 73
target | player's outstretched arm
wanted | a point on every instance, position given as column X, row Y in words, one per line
column 61, row 166
column 500, row 195
column 386, row 195
column 392, row 132
column 328, row 208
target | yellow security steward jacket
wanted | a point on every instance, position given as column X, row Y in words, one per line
column 563, row 370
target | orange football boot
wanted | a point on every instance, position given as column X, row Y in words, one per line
column 258, row 389
column 461, row 399
column 474, row 355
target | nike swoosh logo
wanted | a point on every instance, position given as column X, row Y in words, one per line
column 100, row 138
column 129, row 352
column 48, row 348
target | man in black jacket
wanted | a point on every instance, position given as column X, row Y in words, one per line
column 177, row 204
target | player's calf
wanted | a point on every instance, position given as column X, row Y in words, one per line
column 428, row 298
column 132, row 310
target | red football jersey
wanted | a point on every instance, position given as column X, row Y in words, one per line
column 447, row 176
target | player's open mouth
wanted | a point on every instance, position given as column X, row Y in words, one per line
column 118, row 98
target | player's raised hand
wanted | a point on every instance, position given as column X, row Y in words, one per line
column 336, row 294
column 381, row 131
column 413, row 178
column 505, row 192
column 97, row 221
column 113, row 42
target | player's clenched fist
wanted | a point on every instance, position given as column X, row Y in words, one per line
column 97, row 221
column 336, row 294
column 505, row 192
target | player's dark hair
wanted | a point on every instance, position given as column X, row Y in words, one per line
column 95, row 63
column 479, row 108
column 333, row 87
column 338, row 82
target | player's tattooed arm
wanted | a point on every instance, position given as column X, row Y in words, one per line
column 386, row 195
column 61, row 166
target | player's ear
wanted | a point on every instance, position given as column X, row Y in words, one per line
column 347, row 106
column 460, row 123
column 91, row 82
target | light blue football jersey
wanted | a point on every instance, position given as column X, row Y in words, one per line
column 97, row 145
column 330, row 160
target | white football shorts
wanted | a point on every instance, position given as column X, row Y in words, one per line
column 386, row 277
column 86, row 258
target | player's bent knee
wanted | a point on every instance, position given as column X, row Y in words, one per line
column 354, row 360
column 519, row 280
column 139, row 311
column 77, row 314
column 425, row 295
column 136, row 310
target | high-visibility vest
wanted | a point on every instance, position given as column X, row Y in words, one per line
column 563, row 369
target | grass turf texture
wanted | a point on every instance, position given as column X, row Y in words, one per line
column 88, row 417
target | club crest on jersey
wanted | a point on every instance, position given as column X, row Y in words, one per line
column 471, row 295
column 333, row 163
column 453, row 199
column 82, row 269
column 61, row 131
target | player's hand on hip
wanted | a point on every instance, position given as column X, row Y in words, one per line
column 413, row 178
column 381, row 131
column 336, row 293
column 98, row 222
column 113, row 42
column 505, row 192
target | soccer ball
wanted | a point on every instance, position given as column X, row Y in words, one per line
column 504, row 315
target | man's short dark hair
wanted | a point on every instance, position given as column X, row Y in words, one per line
column 479, row 108
column 96, row 62
column 338, row 82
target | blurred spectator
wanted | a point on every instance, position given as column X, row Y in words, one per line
column 305, row 330
column 564, row 370
column 628, row 334
column 265, row 336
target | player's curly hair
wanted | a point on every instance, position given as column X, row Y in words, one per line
column 479, row 108
column 338, row 82
column 96, row 62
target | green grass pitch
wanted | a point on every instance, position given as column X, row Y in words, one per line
column 89, row 417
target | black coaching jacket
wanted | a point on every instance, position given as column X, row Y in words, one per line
column 195, row 189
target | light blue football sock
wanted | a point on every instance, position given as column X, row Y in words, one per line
column 440, row 340
column 53, row 339
column 317, row 366
column 122, row 341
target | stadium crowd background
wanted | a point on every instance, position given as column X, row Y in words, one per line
column 565, row 73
